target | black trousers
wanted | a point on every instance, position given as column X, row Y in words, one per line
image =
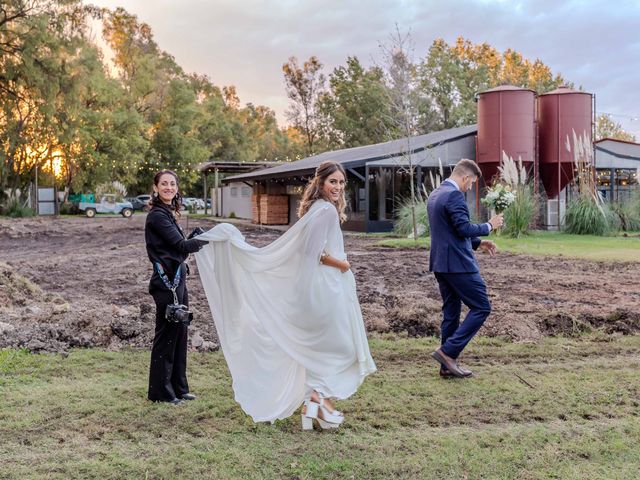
column 168, row 371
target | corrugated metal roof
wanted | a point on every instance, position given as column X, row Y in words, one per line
column 612, row 153
column 617, row 141
column 359, row 156
column 442, row 154
column 234, row 167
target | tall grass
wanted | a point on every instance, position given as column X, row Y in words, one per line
column 519, row 216
column 404, row 221
column 587, row 214
column 628, row 213
column 15, row 209
column 585, row 217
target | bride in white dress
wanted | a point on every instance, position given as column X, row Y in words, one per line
column 287, row 314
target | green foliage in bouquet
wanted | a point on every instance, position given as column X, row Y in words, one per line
column 514, row 197
column 499, row 197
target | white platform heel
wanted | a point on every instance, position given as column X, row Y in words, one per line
column 318, row 411
column 311, row 412
column 329, row 419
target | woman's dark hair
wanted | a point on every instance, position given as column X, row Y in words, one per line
column 176, row 203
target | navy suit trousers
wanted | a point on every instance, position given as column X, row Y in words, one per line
column 458, row 288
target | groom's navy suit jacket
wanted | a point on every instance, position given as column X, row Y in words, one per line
column 453, row 236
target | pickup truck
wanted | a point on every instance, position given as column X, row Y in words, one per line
column 107, row 204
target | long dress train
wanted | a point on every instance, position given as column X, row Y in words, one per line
column 287, row 324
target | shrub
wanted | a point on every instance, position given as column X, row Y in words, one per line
column 13, row 208
column 520, row 214
column 404, row 221
column 69, row 208
column 192, row 207
column 628, row 213
column 586, row 216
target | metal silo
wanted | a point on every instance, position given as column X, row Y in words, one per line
column 561, row 112
column 506, row 122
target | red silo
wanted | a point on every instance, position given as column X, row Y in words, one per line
column 561, row 112
column 506, row 122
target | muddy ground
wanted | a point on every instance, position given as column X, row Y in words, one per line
column 78, row 282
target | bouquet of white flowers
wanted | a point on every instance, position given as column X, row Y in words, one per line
column 499, row 197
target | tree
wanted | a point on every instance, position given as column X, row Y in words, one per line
column 445, row 78
column 39, row 42
column 356, row 105
column 78, row 121
column 404, row 100
column 607, row 128
column 304, row 85
column 452, row 76
column 162, row 94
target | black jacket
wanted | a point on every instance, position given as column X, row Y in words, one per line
column 166, row 244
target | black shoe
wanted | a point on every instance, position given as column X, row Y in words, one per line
column 188, row 396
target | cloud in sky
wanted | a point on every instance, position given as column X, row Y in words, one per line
column 245, row 42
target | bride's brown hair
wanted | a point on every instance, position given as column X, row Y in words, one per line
column 314, row 191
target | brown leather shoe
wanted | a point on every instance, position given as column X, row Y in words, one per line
column 448, row 363
column 444, row 373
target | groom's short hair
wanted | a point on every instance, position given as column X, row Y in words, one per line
column 467, row 167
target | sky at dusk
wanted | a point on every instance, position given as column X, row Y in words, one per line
column 594, row 44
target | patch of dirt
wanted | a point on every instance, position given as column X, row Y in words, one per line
column 78, row 282
column 622, row 321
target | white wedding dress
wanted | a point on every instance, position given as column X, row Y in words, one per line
column 287, row 324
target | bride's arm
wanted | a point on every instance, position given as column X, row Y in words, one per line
column 330, row 261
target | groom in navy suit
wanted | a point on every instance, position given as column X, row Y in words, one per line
column 453, row 239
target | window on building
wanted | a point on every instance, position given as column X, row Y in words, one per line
column 617, row 184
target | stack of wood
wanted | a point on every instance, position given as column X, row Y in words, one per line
column 269, row 209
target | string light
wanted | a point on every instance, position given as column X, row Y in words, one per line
column 633, row 118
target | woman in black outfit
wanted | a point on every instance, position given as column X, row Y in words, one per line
column 167, row 246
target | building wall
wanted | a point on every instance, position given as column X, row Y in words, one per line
column 234, row 198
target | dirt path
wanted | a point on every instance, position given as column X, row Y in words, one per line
column 79, row 282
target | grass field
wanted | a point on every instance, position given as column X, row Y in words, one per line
column 589, row 247
column 561, row 408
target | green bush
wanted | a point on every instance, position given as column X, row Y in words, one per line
column 14, row 209
column 628, row 213
column 520, row 214
column 586, row 217
column 404, row 222
column 69, row 208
